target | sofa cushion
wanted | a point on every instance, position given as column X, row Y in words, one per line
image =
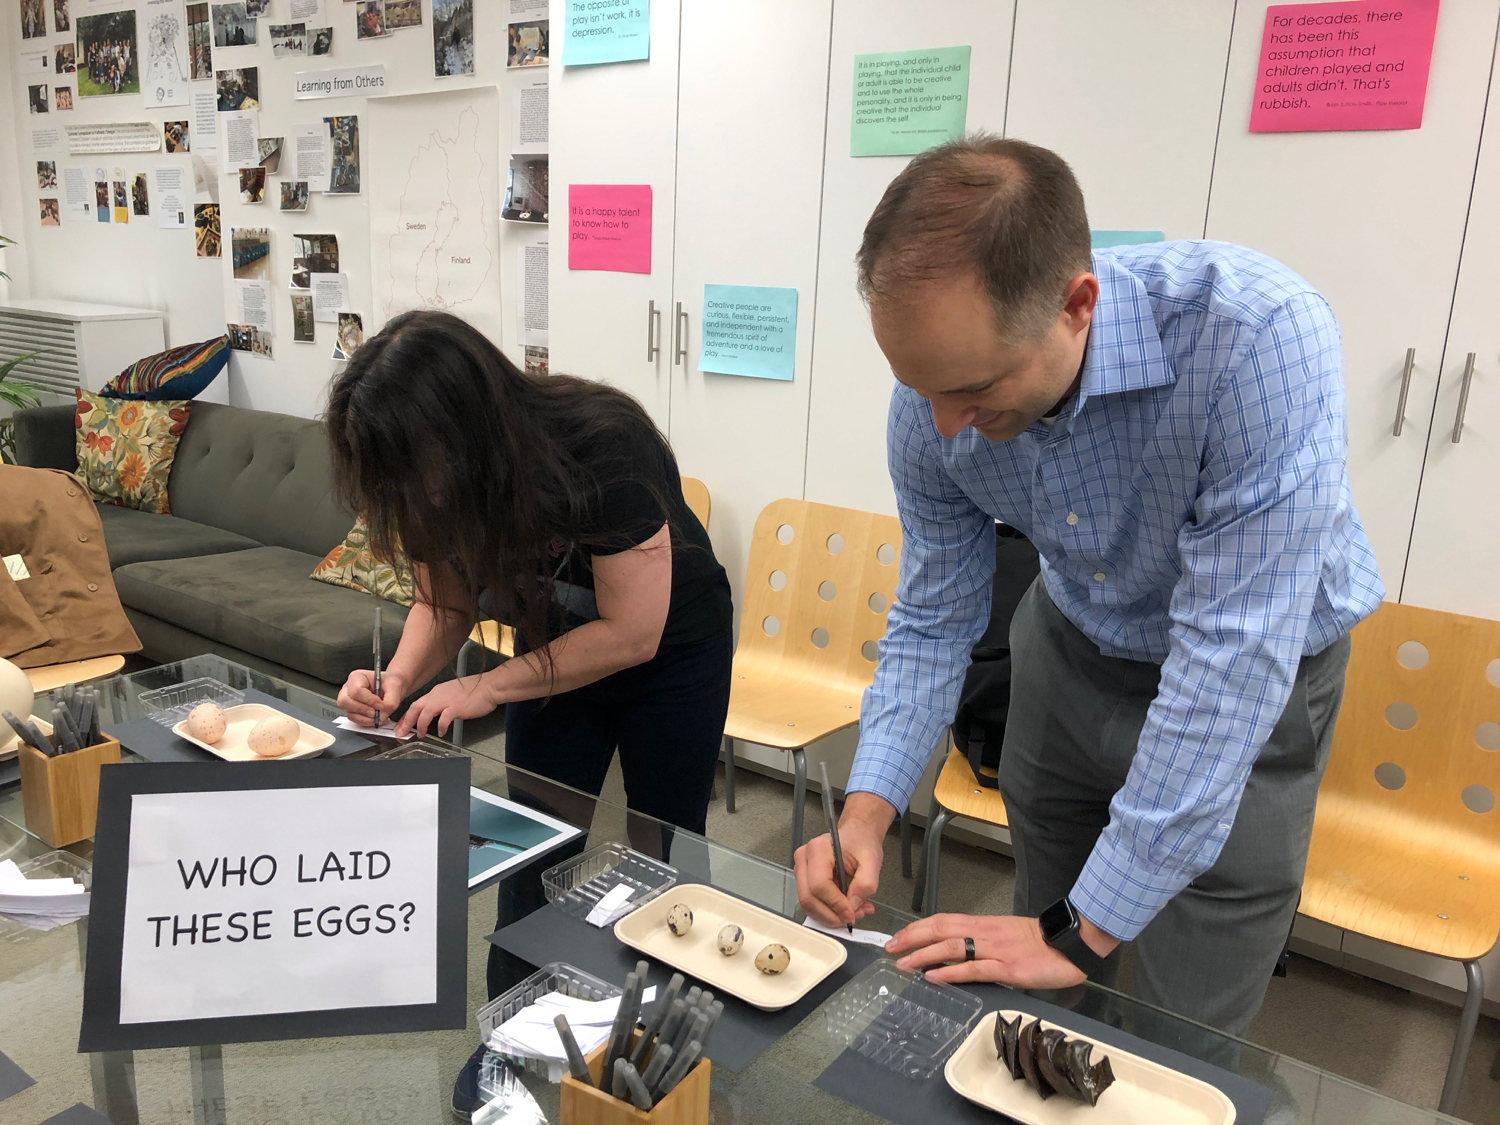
column 133, row 536
column 183, row 372
column 126, row 449
column 262, row 601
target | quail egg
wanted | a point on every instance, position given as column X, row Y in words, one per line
column 731, row 937
column 773, row 959
column 273, row 737
column 206, row 723
column 680, row 919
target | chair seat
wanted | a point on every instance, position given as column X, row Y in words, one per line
column 52, row 676
column 1416, row 885
column 786, row 711
column 495, row 637
column 957, row 792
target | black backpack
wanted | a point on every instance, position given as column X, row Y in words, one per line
column 979, row 725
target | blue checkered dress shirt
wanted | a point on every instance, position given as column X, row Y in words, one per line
column 1191, row 507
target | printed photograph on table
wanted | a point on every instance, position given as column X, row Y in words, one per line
column 526, row 190
column 33, row 19
column 321, row 41
column 232, row 27
column 369, row 19
column 49, row 212
column 351, row 335
column 313, row 253
column 252, row 185
column 288, row 39
column 526, row 44
column 343, row 173
column 294, row 195
column 60, row 20
column 36, row 98
column 101, row 200
column 122, row 203
column 270, row 154
column 303, row 330
column 238, row 89
column 251, row 248
column 140, row 200
column 452, row 37
column 206, row 229
column 402, row 13
column 46, row 174
column 64, row 97
column 177, row 135
column 200, row 38
column 106, row 55
column 62, row 58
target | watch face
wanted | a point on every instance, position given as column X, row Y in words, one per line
column 1057, row 920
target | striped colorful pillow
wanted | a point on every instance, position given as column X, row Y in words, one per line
column 177, row 373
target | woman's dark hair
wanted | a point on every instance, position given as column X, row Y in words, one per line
column 460, row 460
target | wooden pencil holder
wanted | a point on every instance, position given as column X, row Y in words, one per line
column 61, row 794
column 589, row 1105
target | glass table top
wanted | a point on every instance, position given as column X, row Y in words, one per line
column 408, row 1078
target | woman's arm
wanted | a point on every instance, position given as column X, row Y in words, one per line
column 633, row 590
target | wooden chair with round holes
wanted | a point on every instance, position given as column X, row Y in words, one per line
column 501, row 639
column 52, row 676
column 955, row 794
column 817, row 588
column 1406, row 841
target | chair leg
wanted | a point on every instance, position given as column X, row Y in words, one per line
column 906, row 842
column 461, row 669
column 935, row 811
column 1468, row 1020
column 799, row 798
column 728, row 774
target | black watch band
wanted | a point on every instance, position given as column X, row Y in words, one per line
column 1060, row 930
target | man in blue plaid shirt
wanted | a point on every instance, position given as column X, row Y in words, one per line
column 1166, row 423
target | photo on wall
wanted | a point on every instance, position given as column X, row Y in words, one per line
column 107, row 59
column 313, row 253
column 252, row 186
column 101, row 199
column 288, row 39
column 452, row 37
column 257, row 8
column 526, row 190
column 36, row 98
column 527, row 44
column 536, row 359
column 177, row 135
column 321, row 41
column 122, row 204
column 232, row 27
column 200, row 37
column 63, row 95
column 248, row 338
column 350, row 336
column 294, row 195
column 303, row 331
column 238, row 89
column 369, row 19
column 62, row 58
column 50, row 216
column 402, row 13
column 60, row 20
column 140, row 201
column 46, row 174
column 251, row 250
column 206, row 230
column 343, row 171
column 270, row 154
column 33, row 19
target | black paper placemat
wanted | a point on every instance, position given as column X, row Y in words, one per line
column 78, row 1114
column 157, row 743
column 905, row 1101
column 10, row 772
column 12, row 1078
column 743, row 1031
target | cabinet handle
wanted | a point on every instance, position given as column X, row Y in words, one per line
column 679, row 336
column 1411, row 359
column 653, row 332
column 1463, row 398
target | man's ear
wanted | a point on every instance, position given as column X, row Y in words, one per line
column 1079, row 298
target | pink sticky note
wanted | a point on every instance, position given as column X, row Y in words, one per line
column 609, row 227
column 1346, row 66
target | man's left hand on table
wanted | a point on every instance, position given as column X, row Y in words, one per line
column 1007, row 950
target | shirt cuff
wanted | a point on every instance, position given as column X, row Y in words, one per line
column 887, row 771
column 1116, row 894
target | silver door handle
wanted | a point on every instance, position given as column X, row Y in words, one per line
column 1463, row 398
column 679, row 336
column 1411, row 359
column 653, row 332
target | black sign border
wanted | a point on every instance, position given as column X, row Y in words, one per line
column 101, row 1029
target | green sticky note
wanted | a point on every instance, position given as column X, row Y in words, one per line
column 906, row 102
column 1100, row 239
column 606, row 31
column 749, row 330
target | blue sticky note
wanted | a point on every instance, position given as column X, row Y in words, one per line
column 606, row 31
column 1103, row 238
column 749, row 330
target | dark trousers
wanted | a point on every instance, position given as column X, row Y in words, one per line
column 666, row 719
column 1075, row 720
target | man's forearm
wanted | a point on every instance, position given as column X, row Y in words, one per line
column 867, row 812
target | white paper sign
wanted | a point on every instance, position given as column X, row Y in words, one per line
column 310, row 155
column 330, row 294
column 241, row 139
column 163, row 41
column 205, row 115
column 78, row 200
column 346, row 82
column 173, row 209
column 307, row 11
column 114, row 136
column 305, row 900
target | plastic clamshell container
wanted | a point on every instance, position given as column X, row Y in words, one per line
column 554, row 977
column 1144, row 1092
column 59, row 865
column 575, row 887
column 414, row 750
column 232, row 745
column 900, row 1020
column 696, row 953
column 170, row 705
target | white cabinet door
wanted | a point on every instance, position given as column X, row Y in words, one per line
column 1457, row 538
column 752, row 101
column 852, row 382
column 1375, row 220
column 615, row 124
column 1144, row 150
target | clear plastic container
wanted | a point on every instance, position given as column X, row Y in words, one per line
column 900, row 1020
column 170, row 705
column 59, row 865
column 577, row 886
column 414, row 750
column 554, row 977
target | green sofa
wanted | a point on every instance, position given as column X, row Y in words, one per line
column 253, row 513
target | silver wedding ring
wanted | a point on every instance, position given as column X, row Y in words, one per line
column 968, row 949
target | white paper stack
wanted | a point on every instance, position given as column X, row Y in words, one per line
column 531, row 1034
column 42, row 904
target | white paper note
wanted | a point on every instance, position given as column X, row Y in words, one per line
column 607, row 907
column 307, row 11
column 33, row 62
column 173, row 210
column 387, row 728
column 864, row 937
column 310, row 153
column 205, row 115
column 254, row 303
column 78, row 203
column 330, row 294
column 205, row 181
column 46, row 140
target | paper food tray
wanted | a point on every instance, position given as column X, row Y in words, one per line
column 239, row 720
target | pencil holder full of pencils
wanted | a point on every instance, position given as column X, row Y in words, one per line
column 60, row 793
column 685, row 1104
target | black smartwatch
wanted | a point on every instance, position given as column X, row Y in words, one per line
column 1060, row 931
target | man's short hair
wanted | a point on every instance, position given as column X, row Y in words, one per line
column 1008, row 213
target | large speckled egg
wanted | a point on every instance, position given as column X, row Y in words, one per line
column 680, row 919
column 205, row 722
column 773, row 959
column 731, row 937
column 273, row 737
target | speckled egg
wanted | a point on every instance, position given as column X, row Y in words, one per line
column 680, row 919
column 773, row 959
column 273, row 737
column 205, row 722
column 731, row 937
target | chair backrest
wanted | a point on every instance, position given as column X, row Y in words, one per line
column 818, row 586
column 695, row 492
column 1417, row 744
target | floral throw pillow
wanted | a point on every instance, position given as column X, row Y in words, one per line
column 126, row 449
column 352, row 564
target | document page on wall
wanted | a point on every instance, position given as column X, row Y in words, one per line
column 606, row 31
column 905, row 102
column 172, row 204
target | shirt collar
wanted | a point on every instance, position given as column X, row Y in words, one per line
column 1124, row 351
